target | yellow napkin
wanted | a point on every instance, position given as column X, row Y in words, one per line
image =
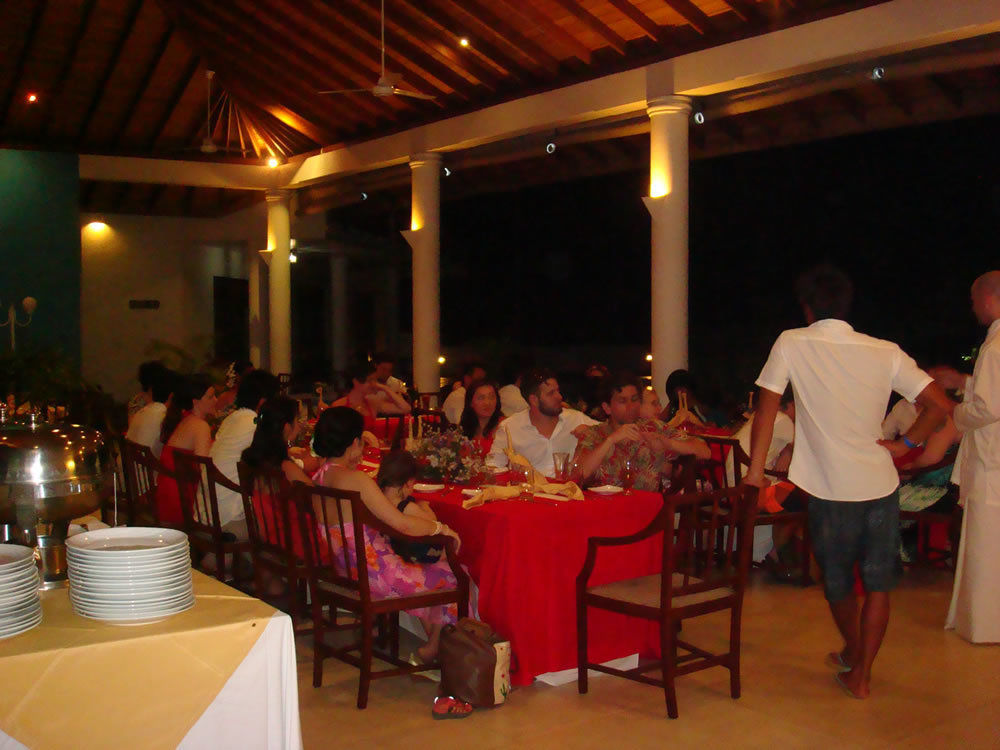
column 514, row 458
column 569, row 490
column 489, row 493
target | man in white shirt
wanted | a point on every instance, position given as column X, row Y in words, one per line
column 543, row 429
column 975, row 600
column 455, row 402
column 144, row 428
column 842, row 380
column 234, row 436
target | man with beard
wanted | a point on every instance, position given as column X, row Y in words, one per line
column 543, row 429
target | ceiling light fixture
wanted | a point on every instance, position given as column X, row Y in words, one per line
column 293, row 258
column 878, row 73
column 364, row 196
column 649, row 357
column 32, row 98
column 441, row 360
column 464, row 41
column 550, row 148
column 272, row 162
column 698, row 117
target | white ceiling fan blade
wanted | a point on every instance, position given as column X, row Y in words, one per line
column 412, row 94
column 345, row 91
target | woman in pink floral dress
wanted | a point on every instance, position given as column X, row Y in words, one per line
column 337, row 439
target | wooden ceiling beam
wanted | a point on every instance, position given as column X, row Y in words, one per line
column 746, row 9
column 109, row 69
column 86, row 11
column 252, row 22
column 440, row 44
column 945, row 88
column 406, row 57
column 482, row 21
column 594, row 23
column 640, row 19
column 849, row 102
column 22, row 59
column 282, row 74
column 140, row 91
column 183, row 83
column 691, row 13
column 551, row 28
column 891, row 93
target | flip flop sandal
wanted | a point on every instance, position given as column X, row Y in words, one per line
column 835, row 660
column 843, row 686
column 446, row 707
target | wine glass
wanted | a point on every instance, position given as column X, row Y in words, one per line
column 628, row 475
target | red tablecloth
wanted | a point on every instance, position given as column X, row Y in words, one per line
column 525, row 558
column 386, row 427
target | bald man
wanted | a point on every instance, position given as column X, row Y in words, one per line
column 975, row 601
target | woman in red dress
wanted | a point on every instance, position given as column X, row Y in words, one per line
column 481, row 414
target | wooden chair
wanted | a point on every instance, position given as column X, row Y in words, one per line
column 433, row 420
column 198, row 478
column 116, row 506
column 284, row 380
column 740, row 464
column 275, row 542
column 323, row 513
column 142, row 470
column 676, row 594
column 925, row 519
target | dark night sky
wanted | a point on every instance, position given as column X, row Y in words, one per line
column 910, row 214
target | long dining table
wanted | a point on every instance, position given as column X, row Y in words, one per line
column 525, row 557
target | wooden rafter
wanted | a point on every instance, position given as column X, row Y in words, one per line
column 746, row 9
column 66, row 65
column 595, row 24
column 640, row 19
column 109, row 69
column 850, row 104
column 159, row 50
column 946, row 89
column 22, row 58
column 892, row 94
column 183, row 83
column 551, row 28
column 691, row 13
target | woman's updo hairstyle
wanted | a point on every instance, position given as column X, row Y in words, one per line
column 336, row 429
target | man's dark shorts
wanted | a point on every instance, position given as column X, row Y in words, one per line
column 867, row 533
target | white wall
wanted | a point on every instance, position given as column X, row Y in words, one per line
column 169, row 259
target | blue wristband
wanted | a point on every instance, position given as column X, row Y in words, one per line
column 909, row 443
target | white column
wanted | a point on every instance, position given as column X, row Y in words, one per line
column 424, row 237
column 280, row 276
column 258, row 327
column 668, row 207
column 339, row 310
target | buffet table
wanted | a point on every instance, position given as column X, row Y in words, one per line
column 221, row 675
column 525, row 557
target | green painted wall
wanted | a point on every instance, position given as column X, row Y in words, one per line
column 40, row 247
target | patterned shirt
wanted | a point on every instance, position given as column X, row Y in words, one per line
column 647, row 463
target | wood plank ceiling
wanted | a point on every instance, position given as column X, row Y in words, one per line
column 131, row 77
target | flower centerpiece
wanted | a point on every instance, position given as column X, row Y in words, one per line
column 448, row 455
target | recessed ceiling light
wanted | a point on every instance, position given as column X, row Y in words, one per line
column 32, row 98
column 272, row 162
column 464, row 41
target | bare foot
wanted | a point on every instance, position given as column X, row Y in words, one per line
column 853, row 684
column 425, row 655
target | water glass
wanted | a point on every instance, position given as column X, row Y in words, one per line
column 628, row 476
column 560, row 466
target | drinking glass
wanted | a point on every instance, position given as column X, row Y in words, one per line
column 560, row 466
column 628, row 476
column 523, row 477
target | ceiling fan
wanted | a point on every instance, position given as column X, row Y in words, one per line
column 208, row 146
column 386, row 84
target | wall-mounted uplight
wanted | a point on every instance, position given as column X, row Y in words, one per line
column 272, row 162
column 293, row 258
column 649, row 357
column 96, row 227
column 32, row 97
column 464, row 41
column 550, row 148
column 441, row 360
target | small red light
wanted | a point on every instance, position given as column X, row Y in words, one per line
column 32, row 98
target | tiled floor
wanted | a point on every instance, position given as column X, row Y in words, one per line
column 930, row 689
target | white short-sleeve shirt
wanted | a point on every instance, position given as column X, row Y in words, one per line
column 234, row 436
column 145, row 426
column 530, row 443
column 842, row 381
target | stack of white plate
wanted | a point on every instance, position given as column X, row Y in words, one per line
column 130, row 576
column 20, row 607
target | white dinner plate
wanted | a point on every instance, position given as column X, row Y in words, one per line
column 135, row 540
column 12, row 555
column 77, row 578
column 19, row 593
column 23, row 612
column 132, row 597
column 21, row 627
column 121, row 609
column 421, row 487
column 606, row 489
column 136, row 620
column 126, row 566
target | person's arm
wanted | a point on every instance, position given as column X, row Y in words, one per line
column 937, row 445
column 497, row 458
column 589, row 457
column 937, row 407
column 760, row 436
column 202, row 438
column 389, row 514
column 420, row 510
column 294, row 474
column 982, row 403
column 393, row 403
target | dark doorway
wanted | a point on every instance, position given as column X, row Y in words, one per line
column 232, row 318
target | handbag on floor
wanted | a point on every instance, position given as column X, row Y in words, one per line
column 475, row 663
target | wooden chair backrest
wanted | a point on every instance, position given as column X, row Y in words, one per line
column 271, row 523
column 141, row 471
column 712, row 543
column 198, row 477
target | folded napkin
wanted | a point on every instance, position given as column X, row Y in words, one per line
column 568, row 490
column 556, row 490
column 515, row 459
column 490, row 493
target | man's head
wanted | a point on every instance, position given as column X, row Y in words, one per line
column 986, row 297
column 541, row 390
column 824, row 292
column 362, row 377
column 149, row 372
column 473, row 371
column 256, row 387
column 622, row 398
column 651, row 406
column 163, row 384
column 383, row 366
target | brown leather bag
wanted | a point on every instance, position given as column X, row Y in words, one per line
column 475, row 663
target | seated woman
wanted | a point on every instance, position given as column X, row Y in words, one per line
column 481, row 414
column 362, row 395
column 651, row 406
column 185, row 428
column 338, row 439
